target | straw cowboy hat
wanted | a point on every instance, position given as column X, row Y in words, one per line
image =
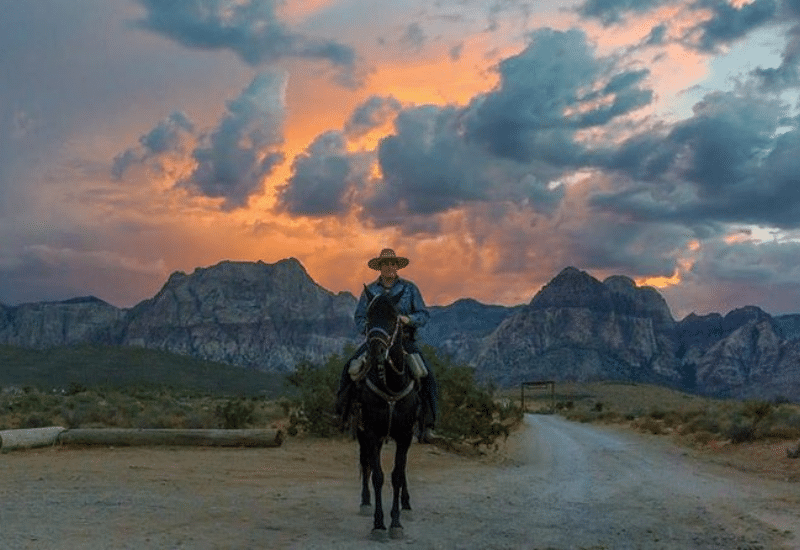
column 387, row 254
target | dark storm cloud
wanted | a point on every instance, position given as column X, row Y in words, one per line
column 612, row 244
column 791, row 7
column 656, row 36
column 241, row 151
column 726, row 24
column 726, row 163
column 321, row 178
column 428, row 168
column 165, row 138
column 251, row 29
column 612, row 11
column 425, row 168
column 787, row 74
column 374, row 112
column 511, row 144
column 729, row 23
column 524, row 118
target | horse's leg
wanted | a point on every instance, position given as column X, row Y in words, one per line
column 399, row 483
column 364, row 461
column 377, row 484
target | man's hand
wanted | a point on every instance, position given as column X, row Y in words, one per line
column 405, row 319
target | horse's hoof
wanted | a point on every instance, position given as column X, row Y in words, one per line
column 396, row 533
column 365, row 510
column 379, row 535
column 408, row 515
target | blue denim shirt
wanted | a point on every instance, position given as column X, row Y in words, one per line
column 411, row 304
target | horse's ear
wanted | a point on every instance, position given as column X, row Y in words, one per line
column 370, row 296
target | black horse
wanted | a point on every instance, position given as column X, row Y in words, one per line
column 389, row 407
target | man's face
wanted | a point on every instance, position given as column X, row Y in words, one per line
column 388, row 269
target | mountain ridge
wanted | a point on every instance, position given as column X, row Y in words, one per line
column 269, row 317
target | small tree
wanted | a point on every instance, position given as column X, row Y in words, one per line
column 311, row 410
column 468, row 411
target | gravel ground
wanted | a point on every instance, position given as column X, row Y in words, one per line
column 555, row 485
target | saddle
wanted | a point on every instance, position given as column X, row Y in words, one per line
column 359, row 367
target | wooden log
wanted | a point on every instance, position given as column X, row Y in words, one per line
column 29, row 438
column 121, row 437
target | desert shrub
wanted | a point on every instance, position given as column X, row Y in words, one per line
column 741, row 431
column 311, row 409
column 649, row 424
column 235, row 413
column 468, row 411
column 34, row 421
column 705, row 421
column 757, row 410
column 702, row 438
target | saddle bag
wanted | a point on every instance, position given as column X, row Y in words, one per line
column 358, row 367
column 417, row 365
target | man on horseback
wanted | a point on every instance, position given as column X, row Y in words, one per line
column 413, row 314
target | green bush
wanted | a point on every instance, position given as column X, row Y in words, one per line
column 468, row 412
column 235, row 414
column 311, row 409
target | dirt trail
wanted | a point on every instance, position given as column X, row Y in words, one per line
column 557, row 485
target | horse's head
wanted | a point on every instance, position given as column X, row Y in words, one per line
column 384, row 333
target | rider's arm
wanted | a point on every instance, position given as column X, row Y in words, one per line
column 360, row 315
column 419, row 313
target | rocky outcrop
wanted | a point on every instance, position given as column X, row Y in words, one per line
column 255, row 315
column 746, row 359
column 271, row 316
column 789, row 326
column 459, row 329
column 49, row 324
column 578, row 328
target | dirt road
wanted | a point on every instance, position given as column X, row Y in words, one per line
column 558, row 485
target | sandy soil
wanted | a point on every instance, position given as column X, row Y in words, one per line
column 556, row 485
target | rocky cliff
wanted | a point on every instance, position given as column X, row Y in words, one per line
column 578, row 328
column 271, row 316
column 49, row 324
column 459, row 329
column 256, row 315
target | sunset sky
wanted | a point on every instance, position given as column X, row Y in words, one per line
column 492, row 142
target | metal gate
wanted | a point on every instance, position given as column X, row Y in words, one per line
column 539, row 385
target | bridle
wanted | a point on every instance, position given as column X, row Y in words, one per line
column 388, row 340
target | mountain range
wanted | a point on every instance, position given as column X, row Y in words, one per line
column 269, row 317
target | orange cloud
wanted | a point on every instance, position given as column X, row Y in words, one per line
column 685, row 265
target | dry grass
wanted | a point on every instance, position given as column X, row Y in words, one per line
column 134, row 408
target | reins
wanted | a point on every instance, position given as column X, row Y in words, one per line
column 389, row 341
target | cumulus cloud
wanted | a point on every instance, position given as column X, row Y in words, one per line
column 234, row 159
column 510, row 144
column 542, row 100
column 322, row 177
column 787, row 74
column 612, row 11
column 726, row 163
column 230, row 161
column 250, row 28
column 373, row 113
column 168, row 137
column 729, row 23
